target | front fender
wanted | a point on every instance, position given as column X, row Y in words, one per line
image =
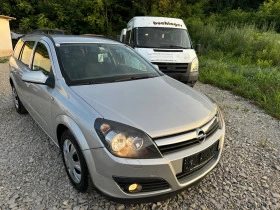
column 75, row 130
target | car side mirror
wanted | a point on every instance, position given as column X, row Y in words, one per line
column 197, row 48
column 38, row 77
column 50, row 81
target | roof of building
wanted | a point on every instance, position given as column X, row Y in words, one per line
column 7, row 17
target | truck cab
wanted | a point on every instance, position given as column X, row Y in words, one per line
column 165, row 42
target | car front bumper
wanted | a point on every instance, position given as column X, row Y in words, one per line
column 103, row 166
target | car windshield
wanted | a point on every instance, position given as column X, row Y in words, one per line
column 168, row 38
column 96, row 63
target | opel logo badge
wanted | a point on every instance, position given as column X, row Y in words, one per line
column 201, row 136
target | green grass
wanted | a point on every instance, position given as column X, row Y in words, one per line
column 247, row 42
column 263, row 142
column 261, row 85
column 242, row 59
column 3, row 60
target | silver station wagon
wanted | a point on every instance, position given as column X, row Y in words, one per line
column 134, row 131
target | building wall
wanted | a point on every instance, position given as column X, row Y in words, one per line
column 6, row 48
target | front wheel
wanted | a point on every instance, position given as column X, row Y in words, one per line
column 17, row 103
column 74, row 161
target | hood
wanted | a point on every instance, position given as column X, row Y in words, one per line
column 159, row 106
column 167, row 55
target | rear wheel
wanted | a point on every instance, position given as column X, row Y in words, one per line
column 74, row 161
column 18, row 105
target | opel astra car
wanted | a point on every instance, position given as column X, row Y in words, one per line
column 134, row 131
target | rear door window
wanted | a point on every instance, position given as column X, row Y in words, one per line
column 41, row 61
column 18, row 48
column 27, row 52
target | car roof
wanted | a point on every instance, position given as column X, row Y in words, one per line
column 60, row 39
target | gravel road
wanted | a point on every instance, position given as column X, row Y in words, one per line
column 32, row 174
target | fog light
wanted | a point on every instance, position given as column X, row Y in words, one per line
column 134, row 188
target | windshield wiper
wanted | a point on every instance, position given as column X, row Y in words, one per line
column 77, row 83
column 87, row 83
column 133, row 78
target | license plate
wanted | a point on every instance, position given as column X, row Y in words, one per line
column 197, row 160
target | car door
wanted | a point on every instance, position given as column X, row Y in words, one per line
column 23, row 54
column 41, row 96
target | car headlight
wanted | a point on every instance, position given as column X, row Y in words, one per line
column 125, row 141
column 194, row 65
column 219, row 116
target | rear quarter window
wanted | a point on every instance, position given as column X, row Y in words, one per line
column 18, row 49
column 27, row 52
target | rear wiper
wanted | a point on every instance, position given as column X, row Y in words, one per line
column 132, row 78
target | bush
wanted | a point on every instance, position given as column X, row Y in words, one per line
column 259, row 84
column 240, row 58
column 245, row 42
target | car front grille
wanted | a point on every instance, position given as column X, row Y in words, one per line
column 184, row 140
column 178, row 146
column 148, row 184
column 172, row 67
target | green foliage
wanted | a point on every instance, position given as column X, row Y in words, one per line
column 4, row 60
column 245, row 42
column 230, row 17
column 269, row 11
column 5, row 7
column 25, row 24
column 44, row 22
column 244, row 59
column 106, row 17
column 247, row 79
column 170, row 8
column 220, row 6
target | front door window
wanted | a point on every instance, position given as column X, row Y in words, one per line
column 41, row 60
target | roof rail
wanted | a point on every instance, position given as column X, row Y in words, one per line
column 43, row 34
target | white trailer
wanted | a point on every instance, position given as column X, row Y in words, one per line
column 165, row 42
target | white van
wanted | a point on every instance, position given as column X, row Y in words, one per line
column 166, row 43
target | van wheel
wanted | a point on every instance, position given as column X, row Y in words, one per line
column 17, row 103
column 74, row 161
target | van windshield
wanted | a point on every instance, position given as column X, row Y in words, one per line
column 168, row 38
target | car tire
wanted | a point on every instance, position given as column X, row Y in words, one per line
column 74, row 161
column 17, row 103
